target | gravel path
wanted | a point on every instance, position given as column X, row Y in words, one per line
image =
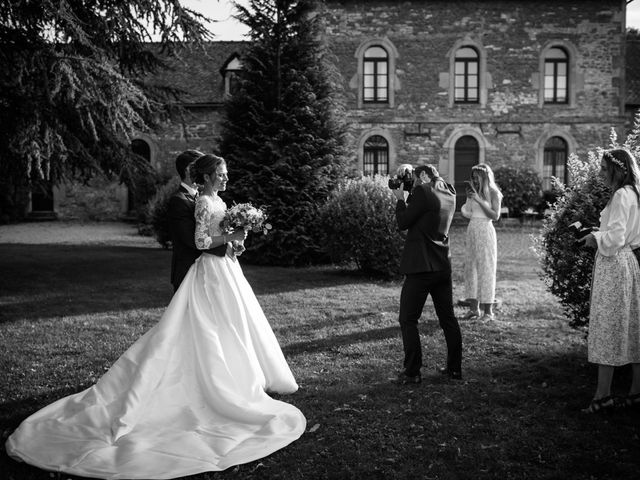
column 111, row 233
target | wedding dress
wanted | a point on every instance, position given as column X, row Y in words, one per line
column 188, row 397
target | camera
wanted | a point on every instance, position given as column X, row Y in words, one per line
column 403, row 178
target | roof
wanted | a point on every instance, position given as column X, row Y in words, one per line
column 198, row 71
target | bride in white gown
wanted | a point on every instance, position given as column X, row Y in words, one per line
column 190, row 395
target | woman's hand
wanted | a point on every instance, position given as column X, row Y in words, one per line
column 399, row 193
column 589, row 241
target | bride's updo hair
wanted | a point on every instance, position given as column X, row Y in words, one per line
column 206, row 164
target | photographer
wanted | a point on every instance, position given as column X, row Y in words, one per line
column 426, row 264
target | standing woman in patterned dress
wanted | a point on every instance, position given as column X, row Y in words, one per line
column 614, row 316
column 482, row 208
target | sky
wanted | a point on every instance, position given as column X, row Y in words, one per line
column 226, row 28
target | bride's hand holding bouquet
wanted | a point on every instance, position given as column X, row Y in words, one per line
column 244, row 217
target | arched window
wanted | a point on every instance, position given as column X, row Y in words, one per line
column 466, row 76
column 375, row 77
column 376, row 156
column 554, row 163
column 556, row 76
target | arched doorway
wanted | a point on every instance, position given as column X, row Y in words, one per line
column 42, row 198
column 139, row 188
column 466, row 155
column 554, row 161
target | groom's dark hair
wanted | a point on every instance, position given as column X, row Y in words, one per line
column 185, row 159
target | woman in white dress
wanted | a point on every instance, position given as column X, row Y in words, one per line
column 190, row 395
column 482, row 208
column 614, row 314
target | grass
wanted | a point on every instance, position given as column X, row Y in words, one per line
column 67, row 312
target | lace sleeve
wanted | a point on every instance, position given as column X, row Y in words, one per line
column 203, row 220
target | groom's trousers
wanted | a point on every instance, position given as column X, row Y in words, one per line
column 415, row 290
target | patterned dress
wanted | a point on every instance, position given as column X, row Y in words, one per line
column 614, row 317
column 481, row 254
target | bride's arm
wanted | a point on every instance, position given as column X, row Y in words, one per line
column 203, row 220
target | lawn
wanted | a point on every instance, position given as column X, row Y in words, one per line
column 68, row 311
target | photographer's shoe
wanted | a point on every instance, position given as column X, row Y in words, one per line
column 452, row 374
column 404, row 379
column 471, row 314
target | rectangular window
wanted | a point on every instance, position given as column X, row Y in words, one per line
column 375, row 81
column 466, row 81
column 555, row 81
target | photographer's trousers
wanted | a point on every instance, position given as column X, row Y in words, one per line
column 415, row 290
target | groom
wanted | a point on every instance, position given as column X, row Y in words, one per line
column 182, row 223
column 426, row 264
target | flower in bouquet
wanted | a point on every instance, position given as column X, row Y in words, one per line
column 245, row 216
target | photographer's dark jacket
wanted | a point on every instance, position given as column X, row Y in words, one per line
column 427, row 216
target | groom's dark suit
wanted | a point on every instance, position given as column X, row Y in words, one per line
column 426, row 265
column 182, row 227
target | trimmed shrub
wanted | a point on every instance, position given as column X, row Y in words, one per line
column 521, row 188
column 359, row 225
column 548, row 199
column 567, row 266
column 156, row 221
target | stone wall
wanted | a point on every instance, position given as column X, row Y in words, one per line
column 421, row 122
column 510, row 122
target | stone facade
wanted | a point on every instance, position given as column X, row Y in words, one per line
column 418, row 119
column 510, row 121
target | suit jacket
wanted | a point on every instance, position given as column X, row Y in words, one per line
column 427, row 216
column 182, row 227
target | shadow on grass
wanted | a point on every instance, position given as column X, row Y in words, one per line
column 43, row 281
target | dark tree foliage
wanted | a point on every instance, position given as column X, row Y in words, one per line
column 284, row 133
column 71, row 83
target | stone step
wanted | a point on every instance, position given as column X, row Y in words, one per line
column 42, row 216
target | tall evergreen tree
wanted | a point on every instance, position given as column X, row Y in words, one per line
column 284, row 132
column 72, row 82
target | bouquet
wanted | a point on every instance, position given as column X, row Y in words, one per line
column 246, row 217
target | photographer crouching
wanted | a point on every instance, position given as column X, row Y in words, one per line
column 426, row 263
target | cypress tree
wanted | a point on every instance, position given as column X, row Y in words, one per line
column 284, row 131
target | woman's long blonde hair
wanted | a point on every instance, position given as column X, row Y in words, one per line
column 487, row 182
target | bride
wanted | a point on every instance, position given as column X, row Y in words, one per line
column 190, row 395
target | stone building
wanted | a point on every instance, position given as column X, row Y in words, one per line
column 455, row 83
column 452, row 83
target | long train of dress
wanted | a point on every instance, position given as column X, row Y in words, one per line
column 189, row 396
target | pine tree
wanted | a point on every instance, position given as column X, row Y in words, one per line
column 284, row 131
column 72, row 86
